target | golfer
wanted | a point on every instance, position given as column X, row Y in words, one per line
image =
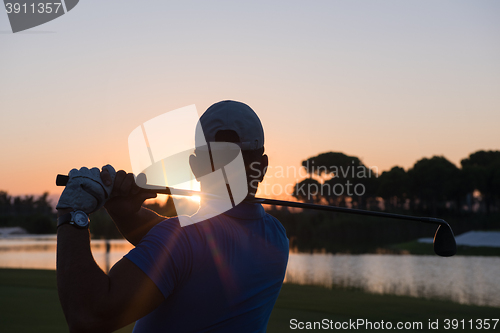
column 222, row 274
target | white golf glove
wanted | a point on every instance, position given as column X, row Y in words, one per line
column 85, row 190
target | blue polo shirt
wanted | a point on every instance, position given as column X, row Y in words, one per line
column 223, row 274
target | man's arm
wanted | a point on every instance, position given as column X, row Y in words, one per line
column 135, row 226
column 93, row 301
column 125, row 207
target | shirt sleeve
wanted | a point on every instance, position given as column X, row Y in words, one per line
column 165, row 255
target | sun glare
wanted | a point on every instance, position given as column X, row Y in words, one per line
column 195, row 198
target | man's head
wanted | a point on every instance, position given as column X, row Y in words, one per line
column 234, row 122
column 232, row 116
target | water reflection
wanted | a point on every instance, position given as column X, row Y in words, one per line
column 40, row 252
column 467, row 280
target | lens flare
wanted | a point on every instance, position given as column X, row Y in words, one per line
column 195, row 198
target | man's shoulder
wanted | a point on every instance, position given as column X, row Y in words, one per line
column 274, row 220
column 277, row 229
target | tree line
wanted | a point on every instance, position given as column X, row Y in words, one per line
column 432, row 185
column 36, row 215
column 467, row 197
column 33, row 214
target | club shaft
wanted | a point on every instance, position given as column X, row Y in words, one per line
column 346, row 210
column 62, row 180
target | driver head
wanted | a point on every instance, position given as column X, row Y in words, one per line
column 444, row 241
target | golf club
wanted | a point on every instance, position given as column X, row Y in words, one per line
column 444, row 239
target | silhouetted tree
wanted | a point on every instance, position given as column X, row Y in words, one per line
column 482, row 173
column 34, row 215
column 5, row 203
column 433, row 181
column 394, row 186
column 342, row 176
column 308, row 190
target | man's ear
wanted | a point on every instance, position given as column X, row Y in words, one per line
column 264, row 163
column 194, row 165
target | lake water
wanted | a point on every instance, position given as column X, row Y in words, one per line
column 39, row 252
column 466, row 280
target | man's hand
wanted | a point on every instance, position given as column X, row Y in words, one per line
column 126, row 197
column 85, row 190
column 125, row 207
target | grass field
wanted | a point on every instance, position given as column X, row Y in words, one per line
column 29, row 303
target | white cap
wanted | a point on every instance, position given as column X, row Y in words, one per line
column 234, row 116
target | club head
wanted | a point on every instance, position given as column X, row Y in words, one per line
column 444, row 241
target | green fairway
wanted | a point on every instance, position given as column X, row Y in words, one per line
column 29, row 303
column 311, row 303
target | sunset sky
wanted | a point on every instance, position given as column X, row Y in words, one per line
column 388, row 81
